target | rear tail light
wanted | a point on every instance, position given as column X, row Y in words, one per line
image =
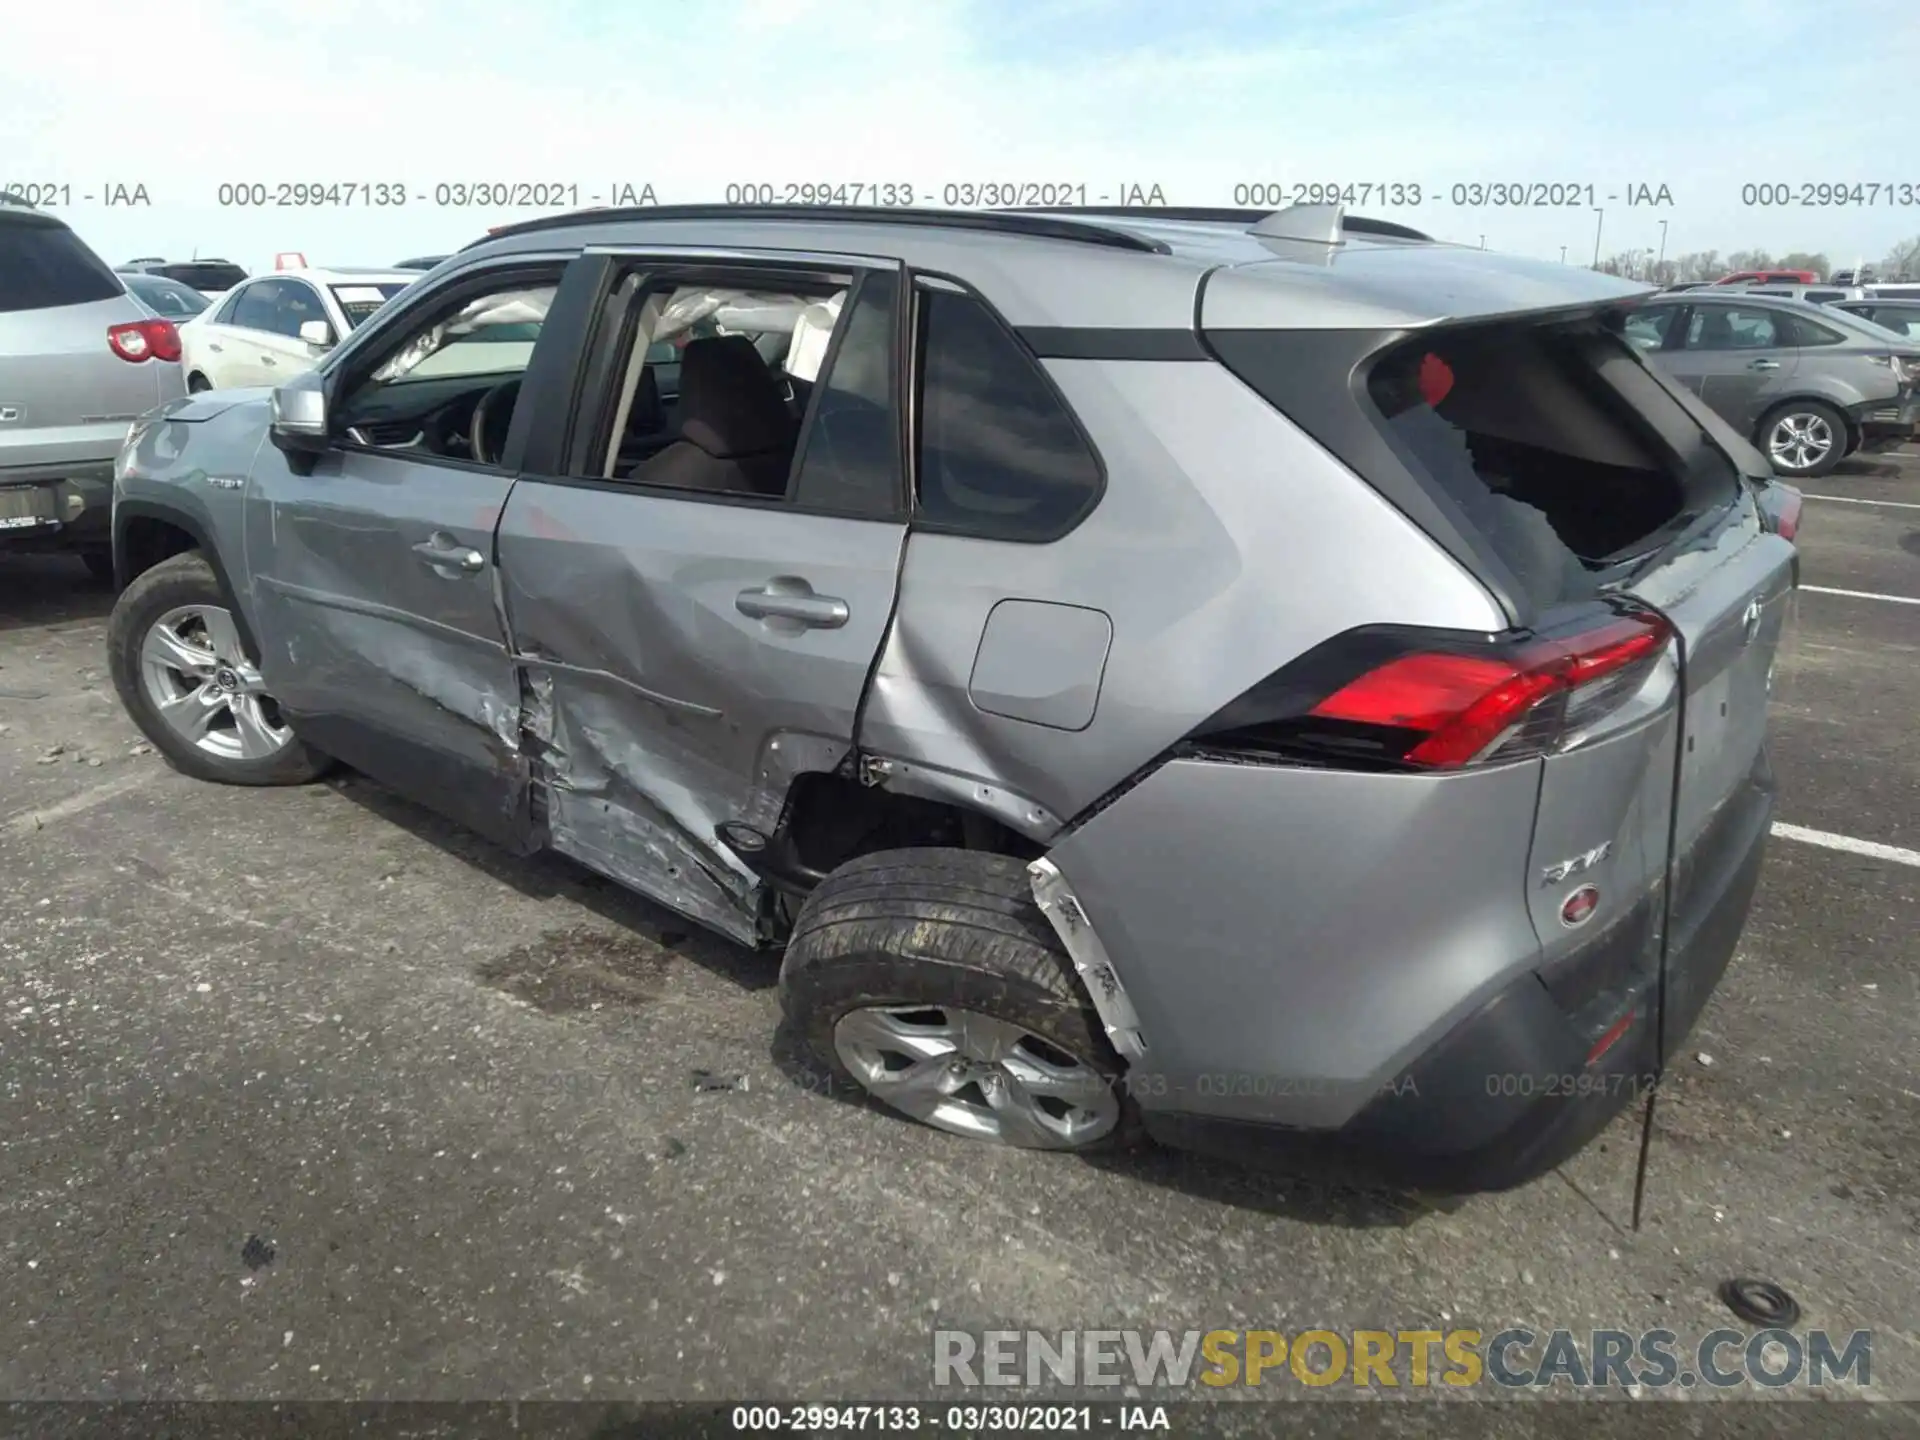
column 1426, row 701
column 1786, row 523
column 145, row 340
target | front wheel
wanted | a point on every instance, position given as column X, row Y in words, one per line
column 930, row 980
column 198, row 384
column 1804, row 438
column 183, row 675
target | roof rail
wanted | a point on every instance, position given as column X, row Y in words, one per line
column 1212, row 215
column 1043, row 226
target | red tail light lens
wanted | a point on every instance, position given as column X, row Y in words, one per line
column 145, row 340
column 1442, row 706
column 1787, row 523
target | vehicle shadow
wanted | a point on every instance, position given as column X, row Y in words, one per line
column 548, row 876
column 1285, row 1192
column 49, row 589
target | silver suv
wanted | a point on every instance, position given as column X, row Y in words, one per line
column 1263, row 680
column 80, row 360
column 1808, row 384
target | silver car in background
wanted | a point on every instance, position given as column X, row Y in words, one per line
column 1270, row 681
column 80, row 360
column 1808, row 384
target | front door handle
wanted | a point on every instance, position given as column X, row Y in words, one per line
column 266, row 360
column 1764, row 365
column 793, row 600
column 443, row 554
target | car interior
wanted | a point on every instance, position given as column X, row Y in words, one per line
column 716, row 386
column 712, row 397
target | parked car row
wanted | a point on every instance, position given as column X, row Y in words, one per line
column 1807, row 383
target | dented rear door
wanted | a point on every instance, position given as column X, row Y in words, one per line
column 685, row 653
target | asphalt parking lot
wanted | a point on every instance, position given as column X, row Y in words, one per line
column 307, row 1095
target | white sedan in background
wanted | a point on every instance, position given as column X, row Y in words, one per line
column 272, row 327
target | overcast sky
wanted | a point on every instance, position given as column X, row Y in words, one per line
column 1195, row 96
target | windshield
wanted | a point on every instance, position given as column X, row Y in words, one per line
column 357, row 302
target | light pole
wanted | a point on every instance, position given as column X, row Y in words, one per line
column 1601, row 211
column 1563, row 254
column 1483, row 242
column 1663, row 245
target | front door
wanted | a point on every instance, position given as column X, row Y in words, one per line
column 1739, row 359
column 374, row 572
column 697, row 611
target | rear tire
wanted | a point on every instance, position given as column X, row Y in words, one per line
column 263, row 752
column 929, row 980
column 1803, row 439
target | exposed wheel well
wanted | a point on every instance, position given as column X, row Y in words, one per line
column 148, row 541
column 832, row 818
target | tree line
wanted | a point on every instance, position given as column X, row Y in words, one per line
column 1900, row 263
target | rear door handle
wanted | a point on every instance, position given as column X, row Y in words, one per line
column 791, row 599
column 443, row 554
column 266, row 360
column 1764, row 365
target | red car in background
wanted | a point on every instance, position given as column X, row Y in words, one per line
column 1769, row 277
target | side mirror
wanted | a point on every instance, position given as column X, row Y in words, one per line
column 317, row 333
column 299, row 424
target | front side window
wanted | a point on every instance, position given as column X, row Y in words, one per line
column 1001, row 457
column 1647, row 327
column 446, row 382
column 298, row 304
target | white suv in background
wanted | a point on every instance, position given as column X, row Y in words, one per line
column 274, row 326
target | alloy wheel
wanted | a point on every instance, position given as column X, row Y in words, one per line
column 978, row 1076
column 1799, row 440
column 205, row 689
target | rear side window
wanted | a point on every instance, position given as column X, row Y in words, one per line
column 1553, row 442
column 43, row 265
column 1001, row 457
column 1799, row 331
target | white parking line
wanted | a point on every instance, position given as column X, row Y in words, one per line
column 1862, row 595
column 1856, row 500
column 1826, row 841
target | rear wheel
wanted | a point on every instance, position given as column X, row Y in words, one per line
column 1804, row 438
column 183, row 675
column 930, row 980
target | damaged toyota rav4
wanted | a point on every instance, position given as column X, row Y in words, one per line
column 1264, row 681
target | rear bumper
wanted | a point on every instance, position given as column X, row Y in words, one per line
column 74, row 509
column 1509, row 1093
column 1884, row 424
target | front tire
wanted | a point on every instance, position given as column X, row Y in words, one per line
column 1803, row 439
column 930, row 980
column 183, row 675
column 198, row 383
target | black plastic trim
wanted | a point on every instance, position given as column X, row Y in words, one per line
column 1002, row 222
column 1216, row 215
column 1057, row 342
column 128, row 510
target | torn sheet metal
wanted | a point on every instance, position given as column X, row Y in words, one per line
column 635, row 813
